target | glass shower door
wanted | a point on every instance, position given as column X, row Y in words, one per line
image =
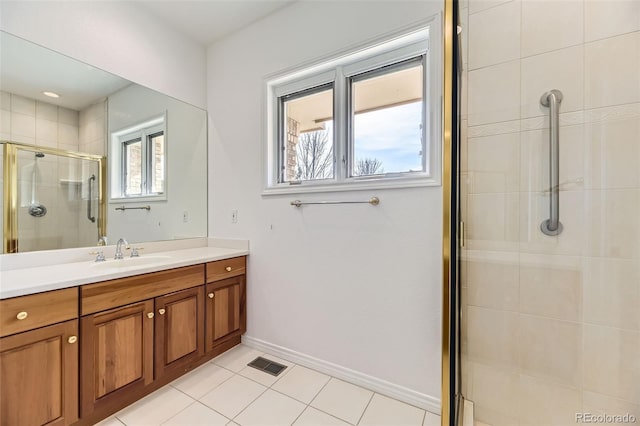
column 56, row 199
column 551, row 202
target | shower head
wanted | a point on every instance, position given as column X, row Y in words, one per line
column 39, row 154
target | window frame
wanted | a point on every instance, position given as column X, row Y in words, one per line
column 420, row 40
column 144, row 132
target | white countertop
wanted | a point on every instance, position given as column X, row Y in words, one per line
column 23, row 281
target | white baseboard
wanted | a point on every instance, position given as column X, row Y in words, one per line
column 375, row 384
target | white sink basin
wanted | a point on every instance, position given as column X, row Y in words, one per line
column 129, row 262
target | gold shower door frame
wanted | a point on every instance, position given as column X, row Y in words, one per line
column 10, row 183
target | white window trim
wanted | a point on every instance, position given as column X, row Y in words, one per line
column 154, row 124
column 391, row 48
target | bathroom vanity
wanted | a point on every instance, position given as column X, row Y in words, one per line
column 77, row 354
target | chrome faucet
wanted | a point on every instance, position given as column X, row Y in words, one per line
column 119, row 244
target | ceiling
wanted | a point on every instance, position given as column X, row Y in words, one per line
column 23, row 72
column 80, row 85
column 206, row 21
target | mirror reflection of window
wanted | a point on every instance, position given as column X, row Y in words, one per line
column 140, row 152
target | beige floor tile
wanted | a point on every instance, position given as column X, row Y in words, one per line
column 387, row 411
column 156, row 408
column 202, row 380
column 237, row 358
column 111, row 421
column 301, row 383
column 271, row 409
column 431, row 419
column 343, row 400
column 313, row 417
column 233, row 396
column 197, row 414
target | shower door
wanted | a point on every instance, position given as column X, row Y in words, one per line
column 54, row 199
column 550, row 179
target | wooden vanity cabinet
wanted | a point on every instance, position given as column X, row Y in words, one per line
column 225, row 302
column 39, row 376
column 39, row 359
column 130, row 350
column 179, row 330
column 136, row 334
column 117, row 355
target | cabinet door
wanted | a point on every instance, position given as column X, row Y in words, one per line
column 117, row 355
column 39, row 376
column 226, row 316
column 179, row 329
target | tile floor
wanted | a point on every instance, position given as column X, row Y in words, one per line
column 225, row 391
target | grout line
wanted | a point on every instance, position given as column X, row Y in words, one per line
column 604, row 109
column 116, row 419
column 215, row 411
column 365, row 408
column 251, row 403
column 289, row 396
column 298, row 416
column 488, row 8
column 321, row 389
column 484, row 67
column 329, row 414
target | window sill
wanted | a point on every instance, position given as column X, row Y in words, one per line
column 352, row 185
column 141, row 199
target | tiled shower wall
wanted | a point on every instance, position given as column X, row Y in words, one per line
column 93, row 129
column 551, row 325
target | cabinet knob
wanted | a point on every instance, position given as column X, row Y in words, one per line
column 22, row 315
column 210, row 295
column 228, row 268
column 161, row 311
column 72, row 339
column 150, row 315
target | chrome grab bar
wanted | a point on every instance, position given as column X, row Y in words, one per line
column 552, row 99
column 90, row 216
column 374, row 201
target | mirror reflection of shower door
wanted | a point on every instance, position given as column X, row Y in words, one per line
column 57, row 199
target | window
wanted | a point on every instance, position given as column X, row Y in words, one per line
column 387, row 120
column 369, row 118
column 306, row 138
column 138, row 166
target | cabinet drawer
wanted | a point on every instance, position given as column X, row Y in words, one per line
column 111, row 294
column 227, row 268
column 37, row 310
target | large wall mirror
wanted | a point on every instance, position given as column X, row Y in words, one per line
column 87, row 155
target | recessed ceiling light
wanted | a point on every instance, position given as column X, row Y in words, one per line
column 51, row 94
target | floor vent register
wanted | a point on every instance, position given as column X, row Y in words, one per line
column 267, row 366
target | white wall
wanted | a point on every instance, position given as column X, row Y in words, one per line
column 358, row 286
column 118, row 37
column 186, row 166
